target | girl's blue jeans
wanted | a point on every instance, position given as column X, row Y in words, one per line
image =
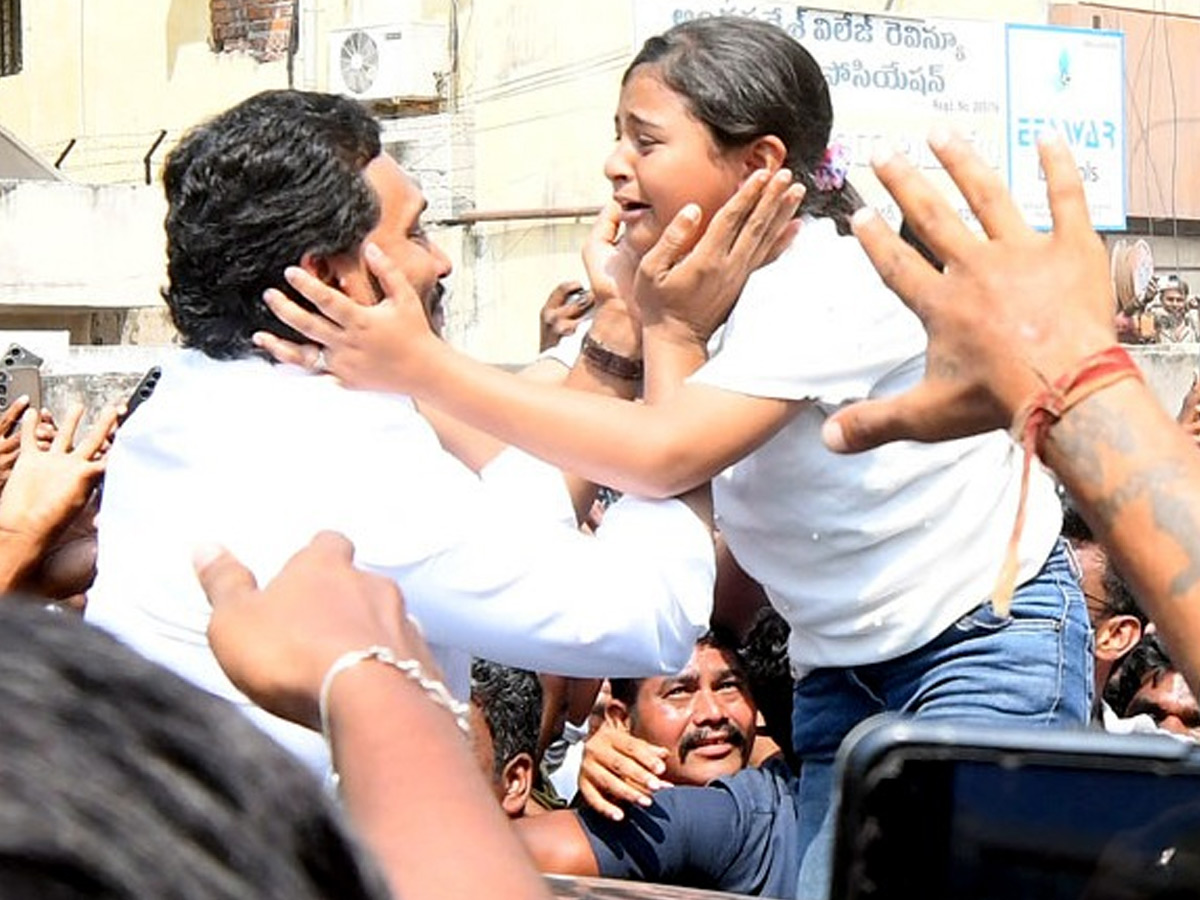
column 1032, row 667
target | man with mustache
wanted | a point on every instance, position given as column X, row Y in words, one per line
column 722, row 826
column 704, row 716
column 257, row 457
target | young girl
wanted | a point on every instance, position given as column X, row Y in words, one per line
column 883, row 563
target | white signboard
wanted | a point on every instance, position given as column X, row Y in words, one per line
column 1069, row 80
column 893, row 79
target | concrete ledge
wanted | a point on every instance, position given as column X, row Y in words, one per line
column 1168, row 369
column 98, row 375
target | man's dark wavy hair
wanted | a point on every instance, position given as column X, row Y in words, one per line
column 249, row 192
column 511, row 702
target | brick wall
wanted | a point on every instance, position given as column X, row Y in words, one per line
column 261, row 28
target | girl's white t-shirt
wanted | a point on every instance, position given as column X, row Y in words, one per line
column 868, row 556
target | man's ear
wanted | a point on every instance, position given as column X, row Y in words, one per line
column 1116, row 636
column 517, row 782
column 616, row 714
column 767, row 152
column 332, row 270
column 319, row 266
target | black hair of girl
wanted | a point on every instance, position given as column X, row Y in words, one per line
column 746, row 79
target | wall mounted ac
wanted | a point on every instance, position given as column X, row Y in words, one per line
column 378, row 62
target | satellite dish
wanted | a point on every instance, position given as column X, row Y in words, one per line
column 359, row 62
column 1132, row 273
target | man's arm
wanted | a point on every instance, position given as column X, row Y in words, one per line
column 557, row 842
column 403, row 762
column 688, row 835
column 1136, row 478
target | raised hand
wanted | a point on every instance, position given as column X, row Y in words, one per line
column 276, row 643
column 994, row 337
column 49, row 487
column 558, row 317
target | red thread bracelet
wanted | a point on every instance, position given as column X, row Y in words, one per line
column 1033, row 423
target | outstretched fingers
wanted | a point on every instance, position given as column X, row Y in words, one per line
column 64, row 438
column 1064, row 189
column 13, row 414
column 925, row 208
column 900, row 266
column 92, row 443
column 980, row 185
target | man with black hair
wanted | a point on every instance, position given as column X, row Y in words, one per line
column 120, row 779
column 258, row 457
column 721, row 826
column 703, row 715
column 506, row 716
column 1149, row 691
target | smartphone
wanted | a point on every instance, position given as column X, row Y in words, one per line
column 16, row 355
column 576, row 297
column 941, row 811
column 16, row 381
column 141, row 393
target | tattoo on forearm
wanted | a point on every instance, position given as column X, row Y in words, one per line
column 1093, row 436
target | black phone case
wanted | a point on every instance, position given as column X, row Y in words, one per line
column 141, row 392
column 1048, row 813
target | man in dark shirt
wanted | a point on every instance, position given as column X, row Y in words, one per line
column 737, row 833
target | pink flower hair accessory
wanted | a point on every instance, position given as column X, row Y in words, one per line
column 830, row 173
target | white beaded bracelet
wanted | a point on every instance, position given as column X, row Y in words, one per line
column 434, row 689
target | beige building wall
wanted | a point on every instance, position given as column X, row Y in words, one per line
column 527, row 120
column 541, row 78
column 113, row 74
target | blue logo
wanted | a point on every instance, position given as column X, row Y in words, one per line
column 1064, row 71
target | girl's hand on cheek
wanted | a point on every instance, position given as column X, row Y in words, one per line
column 611, row 264
column 381, row 347
column 689, row 280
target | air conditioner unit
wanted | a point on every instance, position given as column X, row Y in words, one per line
column 403, row 60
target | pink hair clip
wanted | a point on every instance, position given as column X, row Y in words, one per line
column 830, row 173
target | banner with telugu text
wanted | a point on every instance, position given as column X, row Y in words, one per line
column 893, row 79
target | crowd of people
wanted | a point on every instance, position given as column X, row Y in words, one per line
column 801, row 528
